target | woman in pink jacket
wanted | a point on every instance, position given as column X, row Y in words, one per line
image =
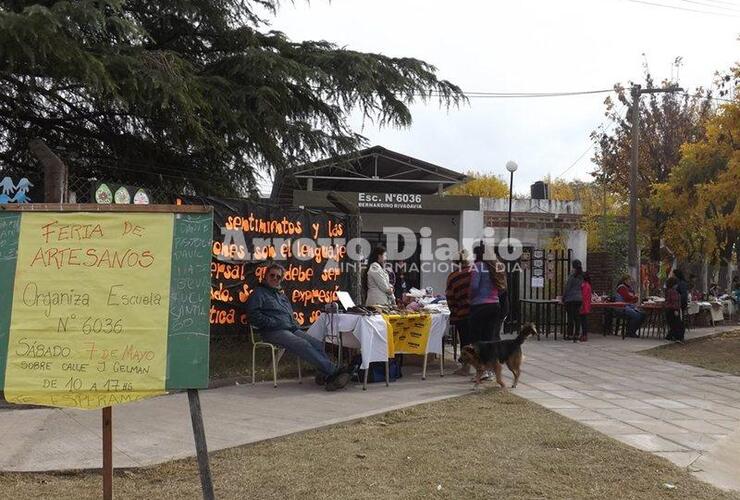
column 585, row 305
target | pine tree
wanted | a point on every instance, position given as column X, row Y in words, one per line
column 193, row 94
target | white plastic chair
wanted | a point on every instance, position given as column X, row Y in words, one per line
column 256, row 342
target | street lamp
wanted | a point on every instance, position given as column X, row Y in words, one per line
column 511, row 166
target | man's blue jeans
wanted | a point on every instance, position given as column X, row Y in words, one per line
column 634, row 319
column 302, row 345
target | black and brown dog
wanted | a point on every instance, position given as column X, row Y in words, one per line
column 493, row 355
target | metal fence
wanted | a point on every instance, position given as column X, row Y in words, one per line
column 537, row 278
column 84, row 189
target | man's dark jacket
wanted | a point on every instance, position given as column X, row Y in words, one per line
column 269, row 310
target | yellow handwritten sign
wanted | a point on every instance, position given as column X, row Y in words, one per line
column 90, row 309
column 408, row 334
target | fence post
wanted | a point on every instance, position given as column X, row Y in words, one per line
column 55, row 172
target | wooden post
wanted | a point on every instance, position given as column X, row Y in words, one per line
column 55, row 172
column 201, row 449
column 107, row 453
column 354, row 230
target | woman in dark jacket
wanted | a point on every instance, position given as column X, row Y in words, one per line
column 673, row 310
column 682, row 287
column 573, row 299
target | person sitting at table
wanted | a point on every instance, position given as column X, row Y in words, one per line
column 269, row 311
column 635, row 317
column 672, row 310
column 378, row 288
column 458, row 301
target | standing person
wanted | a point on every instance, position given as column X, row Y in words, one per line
column 270, row 311
column 389, row 268
column 635, row 317
column 573, row 299
column 378, row 288
column 486, row 283
column 402, row 285
column 458, row 301
column 682, row 287
column 586, row 305
column 673, row 310
column 736, row 289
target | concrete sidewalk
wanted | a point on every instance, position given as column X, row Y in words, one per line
column 688, row 415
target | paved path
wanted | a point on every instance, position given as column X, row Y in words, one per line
column 688, row 415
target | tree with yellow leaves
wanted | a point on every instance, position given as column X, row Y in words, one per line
column 601, row 207
column 483, row 185
column 701, row 193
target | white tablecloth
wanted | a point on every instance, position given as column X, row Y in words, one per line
column 370, row 334
column 714, row 308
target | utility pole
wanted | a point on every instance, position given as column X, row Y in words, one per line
column 633, row 260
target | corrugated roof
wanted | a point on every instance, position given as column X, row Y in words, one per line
column 375, row 169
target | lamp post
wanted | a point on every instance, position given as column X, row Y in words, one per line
column 511, row 167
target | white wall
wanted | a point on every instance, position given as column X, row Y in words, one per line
column 466, row 227
column 538, row 238
column 529, row 205
column 442, row 226
column 471, row 228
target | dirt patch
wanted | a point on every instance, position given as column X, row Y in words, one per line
column 487, row 445
column 720, row 352
column 231, row 357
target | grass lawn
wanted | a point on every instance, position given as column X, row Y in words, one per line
column 490, row 445
column 720, row 353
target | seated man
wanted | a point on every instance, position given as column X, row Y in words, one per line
column 271, row 313
column 634, row 316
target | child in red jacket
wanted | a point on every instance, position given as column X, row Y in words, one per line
column 585, row 305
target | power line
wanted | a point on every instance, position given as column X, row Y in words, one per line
column 591, row 147
column 710, row 5
column 711, row 97
column 619, row 113
column 682, row 8
column 722, row 2
column 506, row 95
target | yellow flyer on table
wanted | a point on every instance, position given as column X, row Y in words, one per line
column 408, row 334
column 90, row 308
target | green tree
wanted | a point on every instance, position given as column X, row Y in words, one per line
column 196, row 94
column 483, row 185
column 667, row 120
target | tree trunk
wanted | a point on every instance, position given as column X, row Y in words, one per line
column 55, row 172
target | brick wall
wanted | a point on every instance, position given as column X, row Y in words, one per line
column 533, row 220
column 603, row 272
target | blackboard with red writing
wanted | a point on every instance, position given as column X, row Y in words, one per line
column 247, row 235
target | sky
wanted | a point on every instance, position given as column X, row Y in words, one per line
column 522, row 46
